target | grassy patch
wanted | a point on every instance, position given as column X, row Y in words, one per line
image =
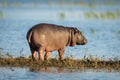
column 70, row 63
column 103, row 15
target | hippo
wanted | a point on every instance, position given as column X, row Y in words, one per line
column 45, row 38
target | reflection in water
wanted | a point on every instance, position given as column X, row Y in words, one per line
column 66, row 70
column 47, row 69
column 51, row 69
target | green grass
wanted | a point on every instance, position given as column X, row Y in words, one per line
column 69, row 63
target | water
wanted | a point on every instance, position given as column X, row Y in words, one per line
column 103, row 37
column 27, row 74
column 103, row 34
column 102, row 40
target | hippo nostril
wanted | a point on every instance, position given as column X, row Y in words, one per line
column 85, row 41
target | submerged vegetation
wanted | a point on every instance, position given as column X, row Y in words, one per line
column 69, row 63
column 62, row 15
column 106, row 15
column 82, row 3
column 102, row 15
column 2, row 14
column 93, row 13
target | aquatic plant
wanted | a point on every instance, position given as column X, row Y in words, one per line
column 102, row 15
column 92, row 5
column 118, row 13
column 5, row 4
column 111, row 15
column 118, row 32
column 62, row 15
column 87, row 15
column 2, row 14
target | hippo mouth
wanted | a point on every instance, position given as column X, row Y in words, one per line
column 80, row 43
column 83, row 43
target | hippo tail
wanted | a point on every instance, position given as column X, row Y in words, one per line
column 29, row 35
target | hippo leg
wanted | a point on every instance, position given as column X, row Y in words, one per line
column 40, row 53
column 61, row 54
column 47, row 55
column 34, row 55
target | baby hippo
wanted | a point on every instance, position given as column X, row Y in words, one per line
column 50, row 37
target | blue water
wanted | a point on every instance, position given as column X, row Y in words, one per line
column 27, row 74
column 103, row 36
column 104, row 41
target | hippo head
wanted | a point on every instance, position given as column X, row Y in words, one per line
column 80, row 39
column 77, row 37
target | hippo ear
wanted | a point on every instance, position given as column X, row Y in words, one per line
column 75, row 30
column 73, row 37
